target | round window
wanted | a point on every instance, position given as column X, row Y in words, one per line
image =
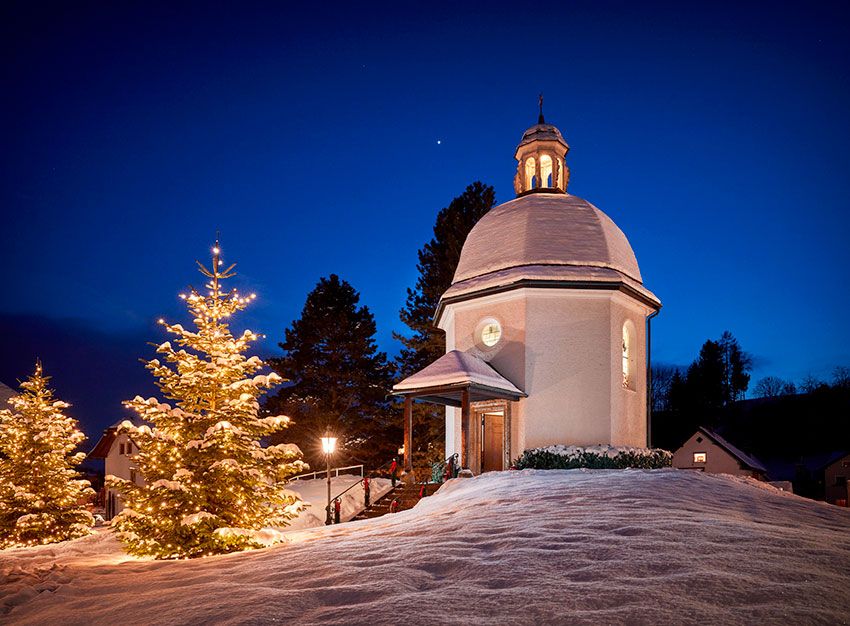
column 491, row 332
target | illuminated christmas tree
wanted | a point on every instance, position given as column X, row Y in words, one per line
column 41, row 494
column 210, row 485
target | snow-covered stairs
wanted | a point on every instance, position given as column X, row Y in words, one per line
column 406, row 494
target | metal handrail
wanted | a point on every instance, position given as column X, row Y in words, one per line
column 336, row 471
column 440, row 464
column 341, row 493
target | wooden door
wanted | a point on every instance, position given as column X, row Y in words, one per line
column 492, row 442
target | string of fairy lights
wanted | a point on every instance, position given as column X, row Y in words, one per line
column 209, row 483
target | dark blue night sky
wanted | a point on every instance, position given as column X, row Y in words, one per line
column 326, row 140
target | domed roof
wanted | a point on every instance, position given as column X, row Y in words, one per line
column 545, row 229
column 546, row 237
column 541, row 132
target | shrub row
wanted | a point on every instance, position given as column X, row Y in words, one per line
column 594, row 457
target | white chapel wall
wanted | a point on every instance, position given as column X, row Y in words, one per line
column 628, row 403
column 568, row 346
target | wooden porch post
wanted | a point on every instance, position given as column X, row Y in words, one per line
column 408, row 434
column 464, row 429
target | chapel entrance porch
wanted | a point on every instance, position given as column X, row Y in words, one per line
column 462, row 380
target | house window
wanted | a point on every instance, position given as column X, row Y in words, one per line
column 133, row 476
column 840, row 481
column 699, row 439
column 699, row 457
column 121, row 448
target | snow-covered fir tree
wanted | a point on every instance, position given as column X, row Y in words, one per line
column 210, row 484
column 42, row 497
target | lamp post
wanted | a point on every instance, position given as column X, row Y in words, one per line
column 328, row 446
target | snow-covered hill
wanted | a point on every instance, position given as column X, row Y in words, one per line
column 574, row 546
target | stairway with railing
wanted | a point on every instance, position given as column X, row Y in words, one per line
column 410, row 490
column 380, row 471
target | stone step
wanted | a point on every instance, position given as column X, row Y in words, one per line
column 407, row 495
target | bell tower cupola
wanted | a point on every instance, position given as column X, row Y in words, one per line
column 540, row 159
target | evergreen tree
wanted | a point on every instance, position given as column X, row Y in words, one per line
column 41, row 494
column 677, row 392
column 706, row 375
column 338, row 380
column 210, row 485
column 736, row 367
column 438, row 261
column 717, row 378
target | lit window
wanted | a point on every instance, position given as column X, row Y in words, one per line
column 699, row 457
column 530, row 171
column 546, row 170
column 627, row 370
column 631, row 371
column 491, row 333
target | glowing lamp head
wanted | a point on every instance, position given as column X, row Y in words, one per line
column 216, row 250
column 328, row 444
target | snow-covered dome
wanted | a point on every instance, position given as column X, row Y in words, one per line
column 546, row 235
column 552, row 229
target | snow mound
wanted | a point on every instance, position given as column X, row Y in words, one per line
column 566, row 546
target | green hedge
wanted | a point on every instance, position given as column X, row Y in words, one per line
column 594, row 457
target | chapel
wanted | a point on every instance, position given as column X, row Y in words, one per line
column 546, row 325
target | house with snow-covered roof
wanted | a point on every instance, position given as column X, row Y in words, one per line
column 707, row 451
column 546, row 325
column 117, row 451
column 836, row 481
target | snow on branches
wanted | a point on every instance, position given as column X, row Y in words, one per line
column 42, row 497
column 210, row 484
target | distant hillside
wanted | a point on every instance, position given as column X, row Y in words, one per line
column 786, row 427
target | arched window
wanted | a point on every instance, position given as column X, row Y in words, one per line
column 546, row 170
column 628, row 356
column 561, row 174
column 530, row 171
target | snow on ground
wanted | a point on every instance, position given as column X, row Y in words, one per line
column 314, row 493
column 569, row 546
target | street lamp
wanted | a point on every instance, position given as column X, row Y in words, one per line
column 328, row 446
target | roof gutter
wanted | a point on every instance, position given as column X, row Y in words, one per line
column 537, row 283
column 649, row 377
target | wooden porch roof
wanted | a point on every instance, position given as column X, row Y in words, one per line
column 445, row 380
